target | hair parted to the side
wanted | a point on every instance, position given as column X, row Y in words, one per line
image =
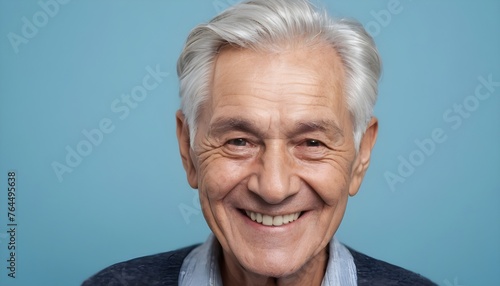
column 267, row 25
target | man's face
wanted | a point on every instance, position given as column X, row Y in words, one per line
column 273, row 156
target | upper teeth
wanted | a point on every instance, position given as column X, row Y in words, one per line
column 272, row 220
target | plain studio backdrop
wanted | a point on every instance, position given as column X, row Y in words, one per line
column 88, row 92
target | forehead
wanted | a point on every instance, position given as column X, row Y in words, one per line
column 316, row 68
column 320, row 61
column 297, row 82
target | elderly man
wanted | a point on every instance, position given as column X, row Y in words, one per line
column 275, row 131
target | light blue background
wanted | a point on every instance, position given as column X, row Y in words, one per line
column 124, row 199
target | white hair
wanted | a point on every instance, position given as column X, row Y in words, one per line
column 267, row 25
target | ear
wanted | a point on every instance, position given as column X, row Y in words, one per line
column 362, row 160
column 185, row 149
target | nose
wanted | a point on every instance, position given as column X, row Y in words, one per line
column 275, row 178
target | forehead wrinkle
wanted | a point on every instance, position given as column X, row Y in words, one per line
column 288, row 83
column 269, row 71
column 266, row 92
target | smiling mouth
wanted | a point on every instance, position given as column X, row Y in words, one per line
column 272, row 220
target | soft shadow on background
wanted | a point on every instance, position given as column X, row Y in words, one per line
column 99, row 179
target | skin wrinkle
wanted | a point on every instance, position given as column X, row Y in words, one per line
column 276, row 102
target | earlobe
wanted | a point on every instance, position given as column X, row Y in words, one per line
column 362, row 161
column 183, row 140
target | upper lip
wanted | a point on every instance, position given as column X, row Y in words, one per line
column 281, row 213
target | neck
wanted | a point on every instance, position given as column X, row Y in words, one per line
column 312, row 273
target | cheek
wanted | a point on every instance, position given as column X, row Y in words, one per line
column 329, row 181
column 220, row 176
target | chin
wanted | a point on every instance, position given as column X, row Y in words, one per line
column 277, row 271
column 278, row 267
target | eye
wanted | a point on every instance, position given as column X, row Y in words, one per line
column 237, row 142
column 311, row 149
column 313, row 143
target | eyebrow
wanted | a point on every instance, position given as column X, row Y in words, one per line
column 329, row 127
column 226, row 124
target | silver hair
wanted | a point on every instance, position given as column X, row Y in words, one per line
column 267, row 25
